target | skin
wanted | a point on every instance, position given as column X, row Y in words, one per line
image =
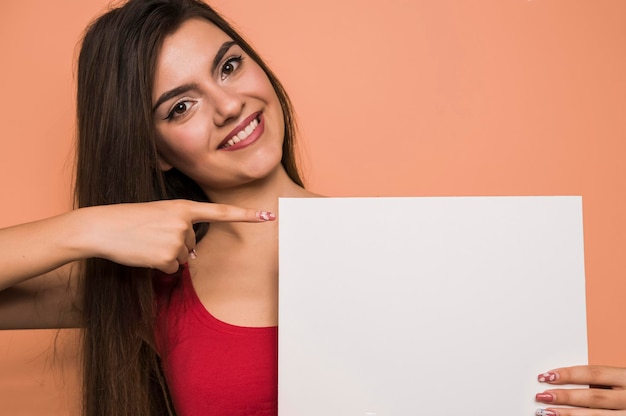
column 191, row 125
column 40, row 262
column 235, row 272
column 40, row 268
column 607, row 401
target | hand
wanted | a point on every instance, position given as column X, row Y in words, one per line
column 156, row 235
column 605, row 397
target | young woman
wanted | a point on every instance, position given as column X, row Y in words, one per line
column 172, row 104
column 175, row 110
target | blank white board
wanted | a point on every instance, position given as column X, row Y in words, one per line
column 427, row 306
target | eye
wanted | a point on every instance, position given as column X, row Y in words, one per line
column 179, row 109
column 230, row 66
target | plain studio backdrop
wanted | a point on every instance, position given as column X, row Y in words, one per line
column 395, row 98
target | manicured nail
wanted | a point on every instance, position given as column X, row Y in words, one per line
column 544, row 397
column 193, row 254
column 546, row 412
column 548, row 377
column 265, row 216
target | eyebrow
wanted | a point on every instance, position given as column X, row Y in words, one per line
column 173, row 93
column 189, row 87
column 220, row 54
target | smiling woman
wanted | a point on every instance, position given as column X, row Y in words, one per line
column 175, row 110
column 198, row 102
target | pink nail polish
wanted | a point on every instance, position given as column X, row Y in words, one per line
column 265, row 216
column 548, row 377
column 193, row 254
column 544, row 397
column 546, row 412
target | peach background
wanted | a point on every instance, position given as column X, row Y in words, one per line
column 421, row 97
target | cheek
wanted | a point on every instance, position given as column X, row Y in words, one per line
column 259, row 83
column 179, row 144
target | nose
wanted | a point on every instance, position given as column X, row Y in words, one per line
column 227, row 105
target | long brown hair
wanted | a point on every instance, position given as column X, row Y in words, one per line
column 117, row 163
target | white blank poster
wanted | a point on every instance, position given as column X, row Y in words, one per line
column 427, row 306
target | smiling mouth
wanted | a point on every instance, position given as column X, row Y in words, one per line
column 243, row 133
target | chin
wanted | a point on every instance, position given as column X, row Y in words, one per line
column 262, row 173
column 264, row 163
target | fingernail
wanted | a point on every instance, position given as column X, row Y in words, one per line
column 548, row 377
column 265, row 216
column 546, row 412
column 193, row 254
column 544, row 397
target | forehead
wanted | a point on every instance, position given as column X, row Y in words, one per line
column 190, row 48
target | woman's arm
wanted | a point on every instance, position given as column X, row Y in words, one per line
column 47, row 301
column 39, row 263
column 36, row 248
column 39, row 274
column 603, row 393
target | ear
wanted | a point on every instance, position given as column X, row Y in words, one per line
column 163, row 165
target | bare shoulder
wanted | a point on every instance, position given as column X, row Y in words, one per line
column 47, row 301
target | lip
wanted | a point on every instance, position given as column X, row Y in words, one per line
column 254, row 136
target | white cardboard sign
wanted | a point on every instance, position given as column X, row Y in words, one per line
column 427, row 306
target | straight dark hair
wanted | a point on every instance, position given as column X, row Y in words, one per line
column 117, row 162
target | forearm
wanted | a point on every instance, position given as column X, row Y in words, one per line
column 49, row 301
column 156, row 235
column 32, row 249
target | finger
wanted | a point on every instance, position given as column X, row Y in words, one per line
column 190, row 243
column 586, row 375
column 591, row 398
column 561, row 411
column 169, row 267
column 210, row 212
column 183, row 255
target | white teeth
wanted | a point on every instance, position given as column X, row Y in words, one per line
column 243, row 134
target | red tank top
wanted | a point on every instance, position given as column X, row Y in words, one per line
column 211, row 367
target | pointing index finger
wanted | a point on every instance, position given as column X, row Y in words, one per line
column 211, row 212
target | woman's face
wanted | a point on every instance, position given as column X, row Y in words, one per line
column 217, row 116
